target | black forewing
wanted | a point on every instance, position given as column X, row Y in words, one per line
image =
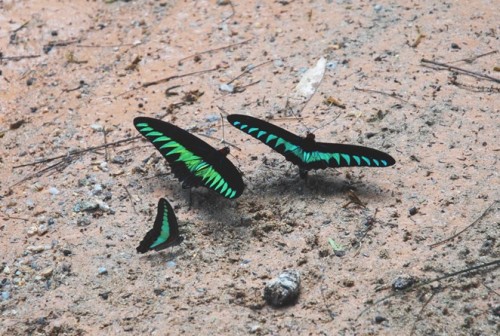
column 161, row 221
column 198, row 147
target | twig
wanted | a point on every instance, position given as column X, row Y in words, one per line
column 466, row 228
column 419, row 315
column 78, row 152
column 232, row 12
column 473, row 58
column 66, row 160
column 106, row 46
column 106, row 154
column 179, row 62
column 164, row 80
column 466, row 72
column 495, row 263
column 248, row 69
column 131, row 199
column 17, row 58
column 419, row 39
column 20, row 27
column 224, row 141
column 393, row 94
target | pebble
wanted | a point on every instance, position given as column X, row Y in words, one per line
column 118, row 159
column 47, row 272
column 97, row 127
column 278, row 63
column 413, row 211
column 104, row 166
column 38, row 248
column 171, row 264
column 5, row 296
column 53, row 191
column 212, row 118
column 283, row 290
column 331, row 65
column 403, row 282
column 97, row 189
column 102, row 271
column 227, row 88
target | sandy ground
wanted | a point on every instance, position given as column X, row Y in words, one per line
column 65, row 271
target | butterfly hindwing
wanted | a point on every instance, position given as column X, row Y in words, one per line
column 193, row 161
column 307, row 153
column 165, row 231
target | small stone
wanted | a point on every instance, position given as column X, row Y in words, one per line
column 455, row 46
column 379, row 319
column 42, row 229
column 97, row 127
column 171, row 264
column 5, row 296
column 413, row 211
column 6, row 270
column 102, row 271
column 223, row 2
column 378, row 8
column 331, row 65
column 53, row 191
column 255, row 329
column 278, row 63
column 38, row 248
column 47, row 272
column 227, row 88
column 97, row 189
column 32, row 231
column 403, row 282
column 118, row 159
column 284, row 289
column 104, row 166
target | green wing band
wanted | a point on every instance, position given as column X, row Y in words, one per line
column 165, row 230
column 195, row 164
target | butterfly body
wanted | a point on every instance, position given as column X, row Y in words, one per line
column 306, row 152
column 165, row 231
column 193, row 161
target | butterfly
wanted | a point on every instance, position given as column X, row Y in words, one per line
column 305, row 152
column 165, row 231
column 192, row 160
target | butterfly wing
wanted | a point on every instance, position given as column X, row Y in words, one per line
column 324, row 155
column 306, row 153
column 193, row 161
column 165, row 231
column 279, row 139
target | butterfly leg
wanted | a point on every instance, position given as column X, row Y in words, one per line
column 303, row 173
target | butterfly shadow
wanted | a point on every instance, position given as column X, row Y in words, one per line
column 164, row 256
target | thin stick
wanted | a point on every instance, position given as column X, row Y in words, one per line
column 164, row 80
column 473, row 58
column 419, row 315
column 20, row 27
column 232, row 12
column 66, row 160
column 131, row 200
column 248, row 70
column 78, row 152
column 467, row 72
column 471, row 269
column 393, row 95
column 224, row 141
column 106, row 154
column 17, row 58
column 466, row 228
column 179, row 62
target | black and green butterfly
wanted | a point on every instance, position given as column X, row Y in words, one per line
column 165, row 231
column 193, row 161
column 306, row 152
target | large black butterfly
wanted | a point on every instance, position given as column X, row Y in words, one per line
column 306, row 152
column 193, row 161
column 165, row 231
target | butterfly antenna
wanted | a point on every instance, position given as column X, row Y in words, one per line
column 324, row 125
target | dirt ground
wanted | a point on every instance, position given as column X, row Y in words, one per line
column 74, row 74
